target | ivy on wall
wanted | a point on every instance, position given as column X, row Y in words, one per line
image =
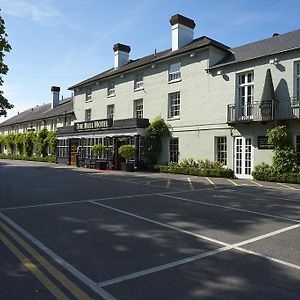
column 26, row 144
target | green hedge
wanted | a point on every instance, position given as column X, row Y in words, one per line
column 49, row 159
column 265, row 172
column 199, row 168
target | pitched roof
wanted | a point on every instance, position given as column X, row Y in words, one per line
column 41, row 112
column 276, row 44
column 152, row 58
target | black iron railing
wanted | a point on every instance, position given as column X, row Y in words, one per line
column 264, row 111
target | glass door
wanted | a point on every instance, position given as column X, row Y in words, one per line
column 243, row 157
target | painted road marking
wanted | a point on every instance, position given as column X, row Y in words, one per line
column 51, row 287
column 160, row 224
column 66, row 282
column 163, row 267
column 210, row 181
column 231, row 181
column 91, row 284
column 231, row 208
column 98, row 199
column 235, row 246
column 190, row 184
column 286, row 186
column 256, row 183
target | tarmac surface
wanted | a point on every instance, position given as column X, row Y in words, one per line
column 73, row 233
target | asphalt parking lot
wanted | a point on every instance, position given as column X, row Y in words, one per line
column 74, row 233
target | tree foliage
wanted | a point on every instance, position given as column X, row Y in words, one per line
column 153, row 144
column 10, row 141
column 20, row 143
column 42, row 142
column 285, row 158
column 4, row 47
column 127, row 151
column 52, row 142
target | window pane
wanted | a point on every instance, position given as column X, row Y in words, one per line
column 174, row 150
column 138, row 108
column 174, row 104
column 221, row 149
column 174, row 71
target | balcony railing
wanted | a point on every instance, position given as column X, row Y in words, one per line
column 267, row 111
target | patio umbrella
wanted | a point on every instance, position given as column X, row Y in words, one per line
column 268, row 97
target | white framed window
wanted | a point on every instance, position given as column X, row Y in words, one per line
column 138, row 108
column 88, row 95
column 174, row 149
column 174, row 105
column 175, row 72
column 111, row 91
column 88, row 143
column 63, row 148
column 297, row 80
column 110, row 111
column 139, row 81
column 221, row 149
column 298, row 148
column 88, row 114
column 245, row 94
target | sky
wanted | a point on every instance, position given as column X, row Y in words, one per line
column 61, row 43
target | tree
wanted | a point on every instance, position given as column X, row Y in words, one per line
column 4, row 47
column 10, row 141
column 153, row 144
column 42, row 143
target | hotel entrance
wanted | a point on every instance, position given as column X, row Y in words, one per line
column 76, row 142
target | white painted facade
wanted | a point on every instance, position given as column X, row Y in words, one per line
column 204, row 99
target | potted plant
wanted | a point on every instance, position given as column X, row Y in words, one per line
column 127, row 151
column 98, row 150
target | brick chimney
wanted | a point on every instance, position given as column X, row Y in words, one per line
column 182, row 31
column 55, row 96
column 121, row 55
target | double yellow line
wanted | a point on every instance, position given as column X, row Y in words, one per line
column 48, row 283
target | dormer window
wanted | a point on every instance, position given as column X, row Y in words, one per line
column 139, row 81
column 175, row 72
column 111, row 89
column 88, row 95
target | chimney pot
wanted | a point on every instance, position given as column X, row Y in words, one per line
column 179, row 19
column 121, row 47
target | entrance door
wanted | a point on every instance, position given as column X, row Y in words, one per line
column 73, row 152
column 243, row 157
column 120, row 159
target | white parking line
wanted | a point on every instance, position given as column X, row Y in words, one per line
column 230, row 208
column 97, row 199
column 190, row 184
column 235, row 246
column 162, row 267
column 256, row 183
column 160, row 224
column 210, row 181
column 87, row 281
column 231, row 181
column 287, row 186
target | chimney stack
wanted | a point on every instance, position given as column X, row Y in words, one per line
column 182, row 31
column 55, row 96
column 121, row 55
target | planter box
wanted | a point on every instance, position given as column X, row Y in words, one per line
column 101, row 165
column 127, row 167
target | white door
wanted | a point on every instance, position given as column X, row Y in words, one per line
column 243, row 157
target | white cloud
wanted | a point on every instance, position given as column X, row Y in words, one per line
column 43, row 12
